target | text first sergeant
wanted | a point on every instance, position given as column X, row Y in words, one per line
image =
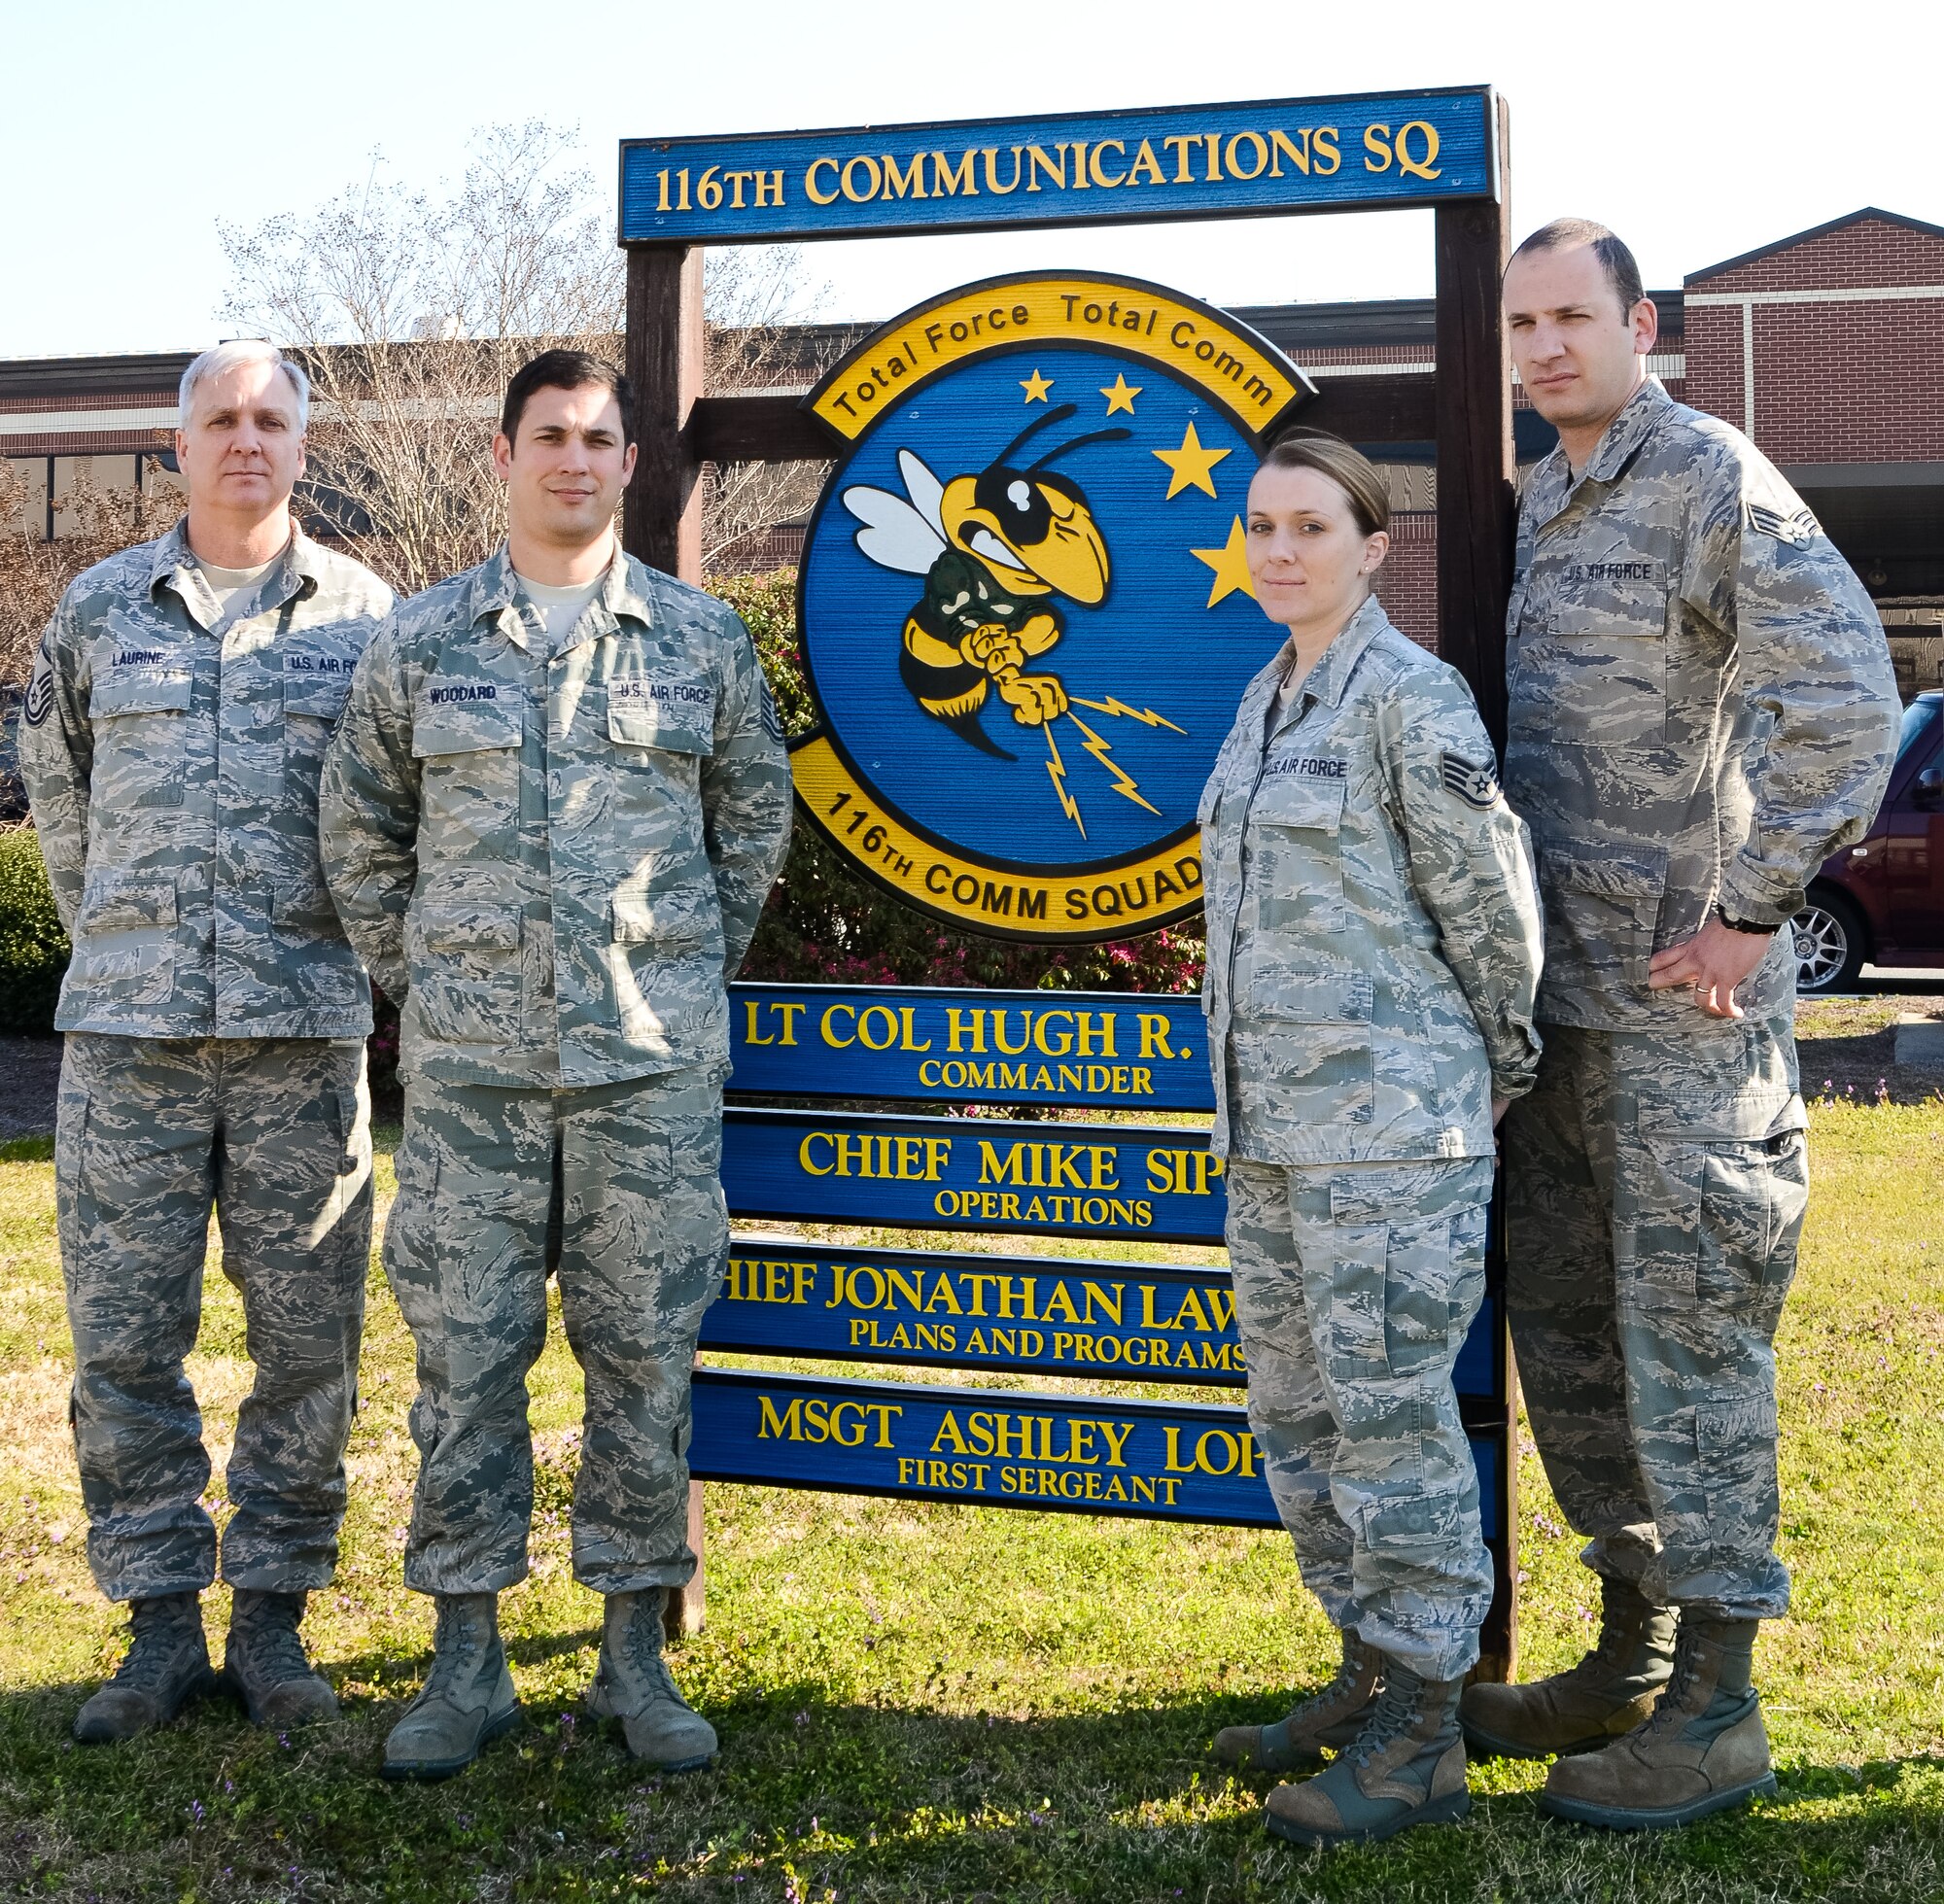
column 551, row 816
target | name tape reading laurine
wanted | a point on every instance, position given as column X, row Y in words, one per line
column 1173, row 162
column 997, row 1448
column 933, row 1046
column 1143, row 1322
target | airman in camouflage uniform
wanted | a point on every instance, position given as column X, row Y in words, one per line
column 215, row 1017
column 554, row 852
column 1374, row 944
column 1702, row 708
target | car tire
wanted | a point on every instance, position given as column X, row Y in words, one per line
column 1830, row 945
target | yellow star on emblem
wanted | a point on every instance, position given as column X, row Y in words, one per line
column 1036, row 387
column 1189, row 466
column 1120, row 394
column 1230, row 561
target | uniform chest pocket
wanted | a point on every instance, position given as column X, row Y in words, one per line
column 1591, row 664
column 470, row 755
column 673, row 713
column 1295, row 846
column 316, row 686
column 141, row 731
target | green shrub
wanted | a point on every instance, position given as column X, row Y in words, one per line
column 33, row 948
column 826, row 924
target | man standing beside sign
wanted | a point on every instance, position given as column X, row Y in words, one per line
column 1702, row 708
column 552, row 814
column 171, row 738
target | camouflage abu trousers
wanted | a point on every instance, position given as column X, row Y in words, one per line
column 148, row 1135
column 615, row 1187
column 1356, row 1285
column 1655, row 1188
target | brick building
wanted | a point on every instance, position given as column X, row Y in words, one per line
column 1827, row 347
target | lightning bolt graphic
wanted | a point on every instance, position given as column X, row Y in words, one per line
column 1124, row 781
column 1056, row 770
column 1113, row 705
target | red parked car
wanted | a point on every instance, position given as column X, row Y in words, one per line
column 1882, row 902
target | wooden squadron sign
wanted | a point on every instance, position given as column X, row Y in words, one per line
column 1024, row 610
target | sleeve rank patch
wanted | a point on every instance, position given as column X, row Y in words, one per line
column 40, row 699
column 1797, row 531
column 1475, row 786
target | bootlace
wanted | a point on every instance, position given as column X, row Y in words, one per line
column 1396, row 1712
column 1607, row 1652
column 1347, row 1694
column 456, row 1644
column 275, row 1652
column 151, row 1656
column 1672, row 1712
column 641, row 1645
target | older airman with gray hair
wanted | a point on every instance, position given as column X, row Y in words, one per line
column 171, row 741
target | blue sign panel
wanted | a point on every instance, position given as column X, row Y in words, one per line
column 1131, row 1052
column 998, row 1448
column 1336, row 154
column 1152, row 1184
column 1147, row 1321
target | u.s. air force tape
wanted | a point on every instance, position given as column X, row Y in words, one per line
column 1797, row 529
column 1475, row 786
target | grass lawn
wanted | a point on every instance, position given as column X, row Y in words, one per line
column 934, row 1702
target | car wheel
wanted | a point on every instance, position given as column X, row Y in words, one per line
column 1829, row 944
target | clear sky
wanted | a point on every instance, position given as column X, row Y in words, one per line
column 128, row 129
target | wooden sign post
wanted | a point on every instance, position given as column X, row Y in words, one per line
column 1444, row 150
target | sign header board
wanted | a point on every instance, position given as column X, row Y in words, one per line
column 1348, row 153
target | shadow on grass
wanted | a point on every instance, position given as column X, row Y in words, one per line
column 875, row 1798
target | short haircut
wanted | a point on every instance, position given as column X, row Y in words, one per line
column 243, row 349
column 1348, row 467
column 565, row 371
column 1616, row 259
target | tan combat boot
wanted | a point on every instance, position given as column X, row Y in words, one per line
column 632, row 1685
column 1603, row 1698
column 167, row 1665
column 1404, row 1767
column 1704, row 1749
column 1327, row 1720
column 468, row 1699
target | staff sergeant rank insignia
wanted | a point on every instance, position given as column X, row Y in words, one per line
column 1024, row 607
column 1475, row 786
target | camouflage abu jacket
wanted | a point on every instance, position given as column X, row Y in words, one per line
column 1374, row 929
column 173, row 774
column 1702, row 707
column 554, row 860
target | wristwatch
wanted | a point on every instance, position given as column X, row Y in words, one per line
column 1745, row 925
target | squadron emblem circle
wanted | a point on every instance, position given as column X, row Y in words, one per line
column 1024, row 601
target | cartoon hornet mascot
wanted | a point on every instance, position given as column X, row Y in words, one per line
column 991, row 548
